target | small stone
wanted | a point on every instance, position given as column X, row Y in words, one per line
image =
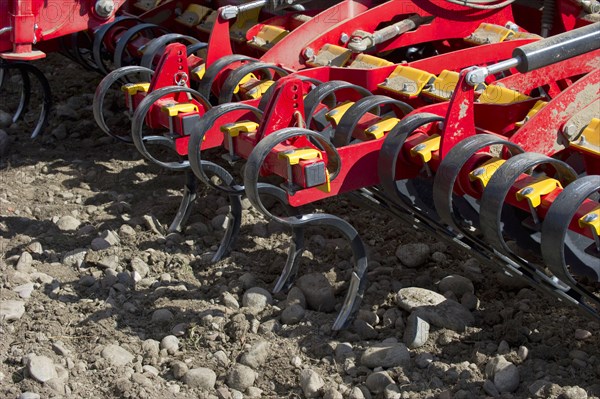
column 254, row 392
column 11, row 310
column 219, row 222
column 296, row 297
column 378, row 381
column 139, row 266
column 257, row 355
column 68, row 223
column 5, row 120
column 4, row 139
column 41, row 368
column 344, row 350
column 74, row 257
column 99, row 243
column 356, row 393
column 364, row 330
column 385, row 355
column 311, row 383
column 170, row 343
column 151, row 347
column 60, row 349
column 162, row 316
column 574, row 393
column 413, row 255
column 416, row 332
column 503, row 348
column 522, row 352
column 490, row 389
column 221, row 358
column 459, row 285
column 292, row 314
column 332, row 393
column 256, row 298
column 318, row 292
column 582, row 334
column 179, row 369
column 248, row 280
column 470, row 301
column 229, row 300
column 503, row 373
column 116, row 355
column 392, row 391
column 29, row 395
column 179, row 329
column 200, row 377
column 423, row 360
column 240, row 377
column 24, row 290
column 24, row 263
column 35, row 247
column 126, row 231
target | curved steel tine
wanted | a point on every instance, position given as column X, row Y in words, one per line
column 139, row 116
column 25, row 92
column 556, row 243
column 325, row 91
column 102, row 90
column 122, row 42
column 160, row 140
column 185, row 207
column 495, row 192
column 157, row 45
column 253, row 166
column 99, row 38
column 229, row 85
column 213, row 70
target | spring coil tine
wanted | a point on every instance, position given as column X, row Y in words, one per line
column 451, row 166
column 124, row 40
column 139, row 116
column 157, row 45
column 495, row 192
column 100, row 94
column 253, row 166
column 25, row 87
column 192, row 48
column 555, row 238
column 99, row 39
column 343, row 131
column 227, row 89
column 325, row 92
column 213, row 70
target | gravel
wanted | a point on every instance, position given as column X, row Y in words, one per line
column 200, row 377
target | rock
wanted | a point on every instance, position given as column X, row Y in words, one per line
column 99, row 243
column 378, row 381
column 503, row 348
column 139, row 266
column 24, row 263
column 247, row 280
column 292, row 314
column 311, row 383
column 162, row 316
column 296, row 297
column 490, row 389
column 385, row 355
column 221, row 358
column 41, row 368
column 240, row 377
column 68, row 223
column 343, row 350
column 582, row 334
column 35, row 247
column 29, row 395
column 5, row 119
column 416, row 332
column 459, row 285
column 229, row 300
column 504, row 374
column 470, row 301
column 332, row 393
column 318, row 292
column 538, row 387
column 116, row 355
column 435, row 308
column 364, row 330
column 522, row 352
column 219, row 222
column 179, row 329
column 392, row 391
column 574, row 393
column 256, row 298
column 368, row 316
column 11, row 310
column 24, row 290
column 257, row 355
column 356, row 393
column 126, row 231
column 423, row 360
column 179, row 369
column 74, row 257
column 151, row 347
column 200, row 377
column 170, row 343
column 413, row 255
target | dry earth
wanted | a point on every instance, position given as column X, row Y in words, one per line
column 98, row 302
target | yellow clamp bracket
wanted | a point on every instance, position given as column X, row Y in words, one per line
column 260, row 89
column 501, row 95
column 425, row 148
column 199, row 71
column 174, row 109
column 331, row 55
column 134, row 88
column 533, row 192
column 267, row 36
column 534, row 110
column 336, row 114
column 489, row 33
column 193, row 15
column 301, row 154
column 589, row 140
column 325, row 187
column 484, row 173
column 523, row 35
column 591, row 220
column 234, row 129
column 407, row 81
column 443, row 86
column 366, row 61
column 244, row 80
column 382, row 127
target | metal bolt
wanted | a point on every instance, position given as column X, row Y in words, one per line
column 570, row 131
column 478, row 172
column 527, row 190
column 512, row 26
column 344, row 38
column 590, row 217
column 104, row 8
column 309, row 53
column 229, row 12
column 419, row 147
column 405, row 86
column 372, row 128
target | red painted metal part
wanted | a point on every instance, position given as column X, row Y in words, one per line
column 34, row 21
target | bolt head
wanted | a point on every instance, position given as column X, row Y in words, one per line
column 104, row 8
column 344, row 38
column 309, row 52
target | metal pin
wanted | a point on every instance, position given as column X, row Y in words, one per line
column 534, row 215
column 589, row 218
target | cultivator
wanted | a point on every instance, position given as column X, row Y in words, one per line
column 455, row 116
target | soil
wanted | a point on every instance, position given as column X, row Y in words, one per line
column 84, row 300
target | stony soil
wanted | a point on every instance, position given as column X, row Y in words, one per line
column 97, row 301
